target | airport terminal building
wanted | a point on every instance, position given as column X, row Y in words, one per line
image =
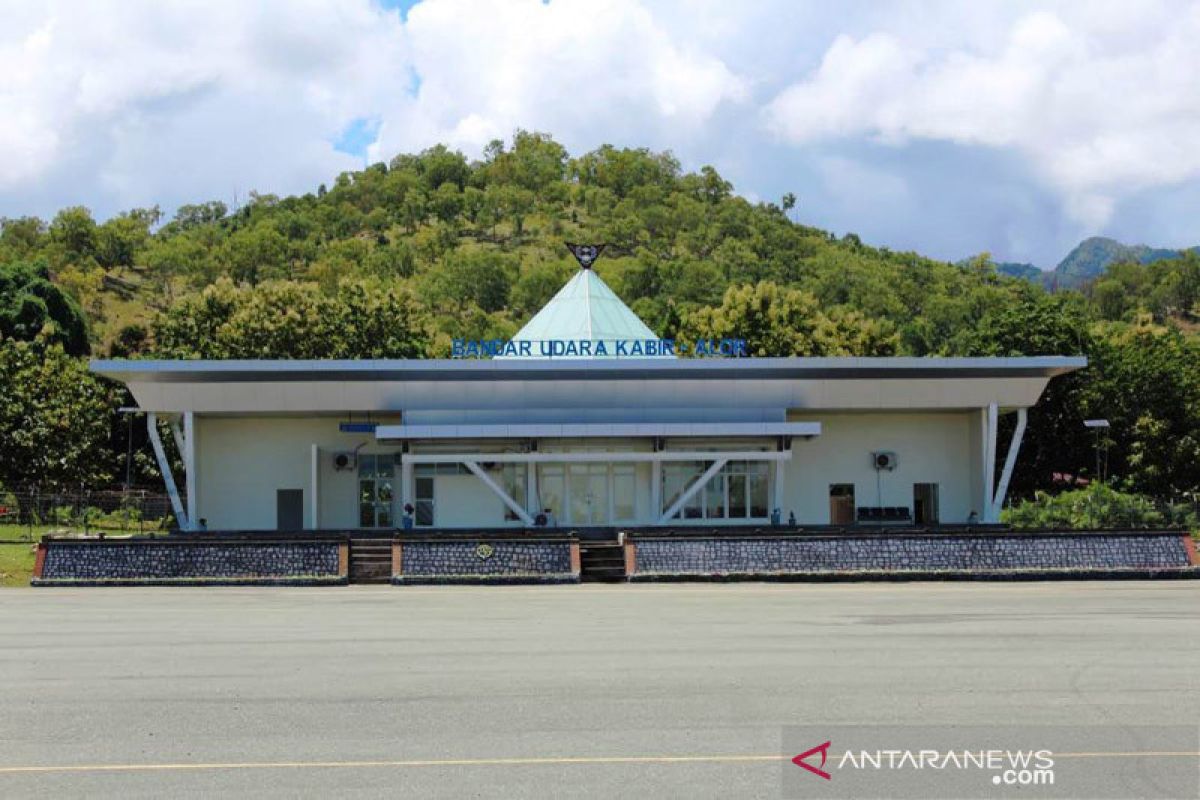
column 621, row 432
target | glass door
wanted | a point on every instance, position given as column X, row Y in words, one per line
column 550, row 483
column 588, row 494
column 375, row 490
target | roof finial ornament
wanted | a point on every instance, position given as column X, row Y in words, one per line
column 586, row 254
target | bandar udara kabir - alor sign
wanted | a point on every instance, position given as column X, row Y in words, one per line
column 592, row 346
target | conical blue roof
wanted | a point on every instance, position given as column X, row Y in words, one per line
column 585, row 309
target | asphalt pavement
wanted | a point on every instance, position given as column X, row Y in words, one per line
column 582, row 691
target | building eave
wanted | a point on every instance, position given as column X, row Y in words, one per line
column 438, row 370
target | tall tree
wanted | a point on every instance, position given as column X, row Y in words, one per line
column 31, row 305
column 54, row 420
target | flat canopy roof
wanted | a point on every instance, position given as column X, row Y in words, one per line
column 597, row 430
column 256, row 371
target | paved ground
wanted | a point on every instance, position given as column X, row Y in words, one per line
column 672, row 691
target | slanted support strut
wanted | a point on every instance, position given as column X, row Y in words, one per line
column 164, row 467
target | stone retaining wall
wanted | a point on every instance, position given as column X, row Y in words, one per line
column 979, row 555
column 485, row 560
column 209, row 561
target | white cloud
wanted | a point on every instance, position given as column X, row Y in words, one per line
column 121, row 103
column 133, row 103
column 1104, row 99
column 575, row 68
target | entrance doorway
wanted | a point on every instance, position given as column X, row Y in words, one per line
column 925, row 503
column 588, row 486
column 841, row 504
column 289, row 509
column 588, row 494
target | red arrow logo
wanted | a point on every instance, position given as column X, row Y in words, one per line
column 823, row 749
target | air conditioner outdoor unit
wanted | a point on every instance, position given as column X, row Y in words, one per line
column 884, row 459
column 344, row 461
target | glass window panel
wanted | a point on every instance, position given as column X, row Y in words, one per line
column 424, row 513
column 714, row 505
column 366, row 491
column 758, row 496
column 366, row 515
column 550, row 489
column 624, row 492
column 384, row 491
column 598, row 495
column 424, row 488
column 424, row 469
column 737, row 496
column 366, row 465
column 578, row 499
column 384, row 516
column 384, row 464
column 676, row 478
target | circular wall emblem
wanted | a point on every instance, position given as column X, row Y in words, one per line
column 484, row 551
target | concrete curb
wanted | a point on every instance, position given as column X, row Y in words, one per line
column 895, row 576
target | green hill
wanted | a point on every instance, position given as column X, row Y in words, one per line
column 1094, row 255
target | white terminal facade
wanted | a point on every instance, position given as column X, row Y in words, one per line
column 599, row 442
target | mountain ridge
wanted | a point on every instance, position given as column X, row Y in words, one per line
column 1087, row 261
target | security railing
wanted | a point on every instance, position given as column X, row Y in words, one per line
column 26, row 516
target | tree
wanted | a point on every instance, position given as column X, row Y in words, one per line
column 535, row 162
column 32, row 306
column 195, row 215
column 256, row 254
column 439, row 165
column 21, row 236
column 74, row 231
column 54, row 419
column 787, row 322
column 121, row 239
column 483, row 277
column 288, row 319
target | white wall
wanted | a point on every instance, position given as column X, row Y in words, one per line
column 930, row 448
column 243, row 461
column 463, row 501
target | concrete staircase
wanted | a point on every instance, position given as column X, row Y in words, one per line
column 601, row 562
column 370, row 559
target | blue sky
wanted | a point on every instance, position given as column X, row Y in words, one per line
column 949, row 128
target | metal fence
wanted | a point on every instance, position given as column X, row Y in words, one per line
column 29, row 515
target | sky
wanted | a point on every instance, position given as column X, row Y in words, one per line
column 950, row 128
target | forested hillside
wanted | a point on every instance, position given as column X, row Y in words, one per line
column 397, row 259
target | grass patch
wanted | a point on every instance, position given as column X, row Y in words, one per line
column 16, row 564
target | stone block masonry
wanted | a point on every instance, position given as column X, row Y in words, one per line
column 1007, row 554
column 485, row 560
column 190, row 561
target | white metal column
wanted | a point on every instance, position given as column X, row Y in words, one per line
column 991, row 421
column 164, row 467
column 191, row 479
column 407, row 493
column 1010, row 461
column 314, row 505
column 777, row 489
column 531, row 489
column 655, row 489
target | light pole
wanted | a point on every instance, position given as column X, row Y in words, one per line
column 1098, row 426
